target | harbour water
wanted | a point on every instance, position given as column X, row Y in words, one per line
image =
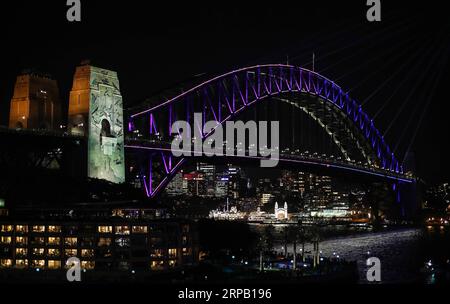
column 403, row 253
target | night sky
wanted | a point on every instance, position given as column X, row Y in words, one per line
column 398, row 68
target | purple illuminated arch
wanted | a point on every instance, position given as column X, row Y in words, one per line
column 224, row 96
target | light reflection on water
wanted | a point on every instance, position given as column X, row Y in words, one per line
column 395, row 249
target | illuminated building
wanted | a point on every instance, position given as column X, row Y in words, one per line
column 266, row 198
column 281, row 213
column 221, row 185
column 35, row 103
column 175, row 187
column 95, row 111
column 130, row 241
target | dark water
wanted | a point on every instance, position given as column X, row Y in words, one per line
column 402, row 252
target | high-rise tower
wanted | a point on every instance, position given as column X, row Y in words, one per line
column 35, row 103
column 95, row 111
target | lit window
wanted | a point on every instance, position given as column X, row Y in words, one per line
column 6, row 263
column 21, row 240
column 70, row 252
column 123, row 242
column 157, row 253
column 122, row 230
column 38, row 251
column 21, row 252
column 38, row 228
column 21, row 264
column 186, row 251
column 172, row 253
column 157, row 265
column 6, row 228
column 87, row 253
column 37, row 263
column 54, row 229
column 105, row 229
column 104, row 241
column 54, row 264
column 53, row 252
column 139, row 229
column 70, row 241
column 5, row 240
column 21, row 228
column 87, row 265
column 54, row 240
column 172, row 263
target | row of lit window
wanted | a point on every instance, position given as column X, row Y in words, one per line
column 34, row 228
column 73, row 241
column 56, row 264
column 54, row 252
column 124, row 229
column 20, row 240
column 51, row 264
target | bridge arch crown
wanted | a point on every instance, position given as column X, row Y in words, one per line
column 223, row 97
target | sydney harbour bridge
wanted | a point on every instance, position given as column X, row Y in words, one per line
column 322, row 128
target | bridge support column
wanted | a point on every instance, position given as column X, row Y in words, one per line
column 95, row 111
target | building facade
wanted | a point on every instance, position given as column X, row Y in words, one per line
column 105, row 244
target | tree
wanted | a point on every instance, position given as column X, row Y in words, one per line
column 265, row 244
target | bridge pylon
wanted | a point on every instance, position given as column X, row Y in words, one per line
column 96, row 111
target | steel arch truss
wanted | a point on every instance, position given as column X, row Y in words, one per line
column 223, row 97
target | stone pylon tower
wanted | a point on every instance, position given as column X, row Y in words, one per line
column 35, row 103
column 96, row 111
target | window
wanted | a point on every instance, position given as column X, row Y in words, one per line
column 70, row 252
column 172, row 253
column 87, row 265
column 5, row 263
column 157, row 265
column 38, row 241
column 70, row 241
column 105, row 229
column 21, row 252
column 87, row 241
column 38, row 251
column 184, row 240
column 54, row 229
column 172, row 263
column 21, row 240
column 21, row 264
column 5, row 240
column 38, row 228
column 104, row 242
column 123, row 242
column 139, row 229
column 21, row 229
column 6, row 228
column 52, row 264
column 124, row 230
column 157, row 253
column 87, row 253
column 53, row 252
column 186, row 251
column 185, row 228
column 38, row 263
column 54, row 241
